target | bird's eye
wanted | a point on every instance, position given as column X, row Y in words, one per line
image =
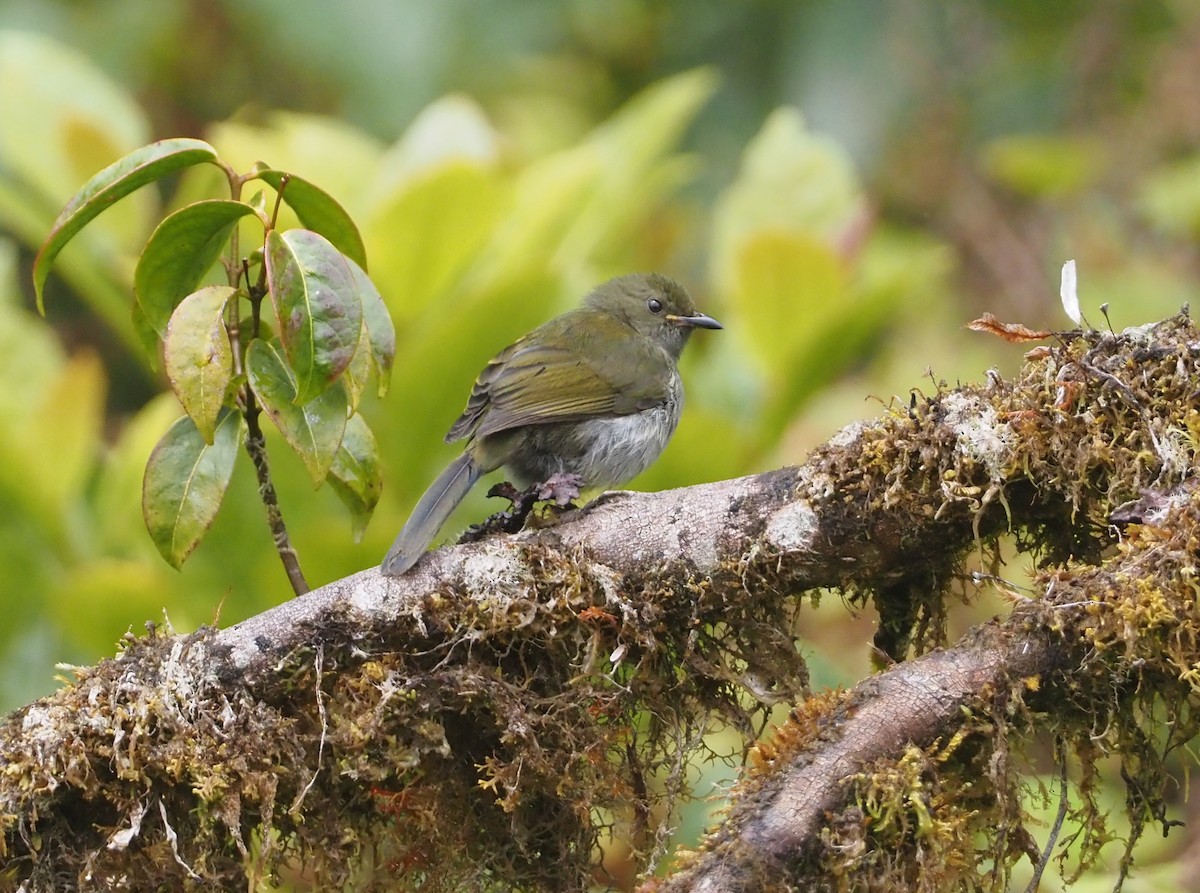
column 654, row 305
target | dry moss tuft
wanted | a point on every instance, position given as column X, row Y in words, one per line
column 164, row 769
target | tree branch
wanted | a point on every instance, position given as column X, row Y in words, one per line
column 474, row 718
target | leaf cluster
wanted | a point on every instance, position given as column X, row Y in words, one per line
column 224, row 362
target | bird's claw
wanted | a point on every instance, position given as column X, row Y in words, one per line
column 559, row 488
column 563, row 488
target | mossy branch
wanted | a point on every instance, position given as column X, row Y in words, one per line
column 483, row 721
column 796, row 811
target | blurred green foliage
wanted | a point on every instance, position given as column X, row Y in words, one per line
column 843, row 184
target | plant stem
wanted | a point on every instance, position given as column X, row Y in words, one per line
column 256, row 444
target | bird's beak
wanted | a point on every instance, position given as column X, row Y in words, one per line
column 696, row 321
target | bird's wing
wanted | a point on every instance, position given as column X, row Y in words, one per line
column 532, row 383
column 480, row 399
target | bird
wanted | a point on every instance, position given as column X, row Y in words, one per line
column 591, row 396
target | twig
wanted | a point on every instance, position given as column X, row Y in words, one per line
column 256, row 446
column 1036, row 880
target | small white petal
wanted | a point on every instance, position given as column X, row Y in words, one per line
column 1070, row 299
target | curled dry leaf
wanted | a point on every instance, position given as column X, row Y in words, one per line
column 1009, row 331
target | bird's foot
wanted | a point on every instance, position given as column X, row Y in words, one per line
column 510, row 520
column 563, row 488
column 559, row 489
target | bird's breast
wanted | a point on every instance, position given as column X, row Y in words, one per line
column 619, row 449
column 605, row 451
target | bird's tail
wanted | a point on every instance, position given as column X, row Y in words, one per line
column 434, row 507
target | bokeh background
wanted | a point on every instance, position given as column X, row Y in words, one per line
column 844, row 183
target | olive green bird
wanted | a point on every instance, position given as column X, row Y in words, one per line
column 594, row 393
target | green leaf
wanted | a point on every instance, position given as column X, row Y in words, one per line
column 50, row 456
column 314, row 429
column 376, row 349
column 377, row 324
column 198, row 356
column 358, row 373
column 637, row 172
column 258, row 202
column 147, row 338
column 788, row 287
column 425, row 235
column 180, row 251
column 320, row 212
column 355, row 474
column 142, row 166
column 790, row 180
column 318, row 307
column 185, row 482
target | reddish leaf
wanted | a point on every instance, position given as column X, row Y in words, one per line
column 1009, row 331
column 318, row 307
